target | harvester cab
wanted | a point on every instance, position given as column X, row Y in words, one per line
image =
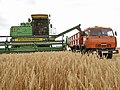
column 40, row 24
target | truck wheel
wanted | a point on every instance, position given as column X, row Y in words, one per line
column 109, row 56
column 105, row 55
column 99, row 54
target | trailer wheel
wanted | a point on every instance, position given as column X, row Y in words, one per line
column 109, row 56
column 83, row 51
column 73, row 49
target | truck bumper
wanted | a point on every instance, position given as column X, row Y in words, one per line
column 111, row 51
column 115, row 51
column 107, row 51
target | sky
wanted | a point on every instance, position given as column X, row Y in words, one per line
column 65, row 14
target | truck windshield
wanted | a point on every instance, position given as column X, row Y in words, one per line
column 101, row 32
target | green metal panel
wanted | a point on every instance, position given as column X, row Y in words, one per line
column 25, row 29
column 30, row 48
column 37, row 43
column 37, row 49
column 67, row 41
column 9, row 47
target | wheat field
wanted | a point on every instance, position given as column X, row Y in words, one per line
column 58, row 71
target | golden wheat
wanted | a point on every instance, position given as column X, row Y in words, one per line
column 58, row 71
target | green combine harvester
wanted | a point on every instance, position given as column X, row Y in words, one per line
column 34, row 36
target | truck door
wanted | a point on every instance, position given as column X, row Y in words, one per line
column 85, row 38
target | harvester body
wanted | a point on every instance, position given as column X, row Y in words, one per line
column 33, row 36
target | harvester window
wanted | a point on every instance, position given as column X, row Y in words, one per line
column 40, row 26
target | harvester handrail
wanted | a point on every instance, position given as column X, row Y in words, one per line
column 5, row 36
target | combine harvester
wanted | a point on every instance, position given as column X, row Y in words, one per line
column 100, row 40
column 34, row 36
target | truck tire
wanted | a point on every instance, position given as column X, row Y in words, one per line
column 100, row 55
column 109, row 56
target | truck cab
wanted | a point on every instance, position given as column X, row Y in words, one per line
column 99, row 38
column 96, row 39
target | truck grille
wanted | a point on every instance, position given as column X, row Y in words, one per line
column 103, row 45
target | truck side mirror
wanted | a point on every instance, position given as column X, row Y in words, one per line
column 115, row 33
column 83, row 33
column 50, row 25
column 29, row 20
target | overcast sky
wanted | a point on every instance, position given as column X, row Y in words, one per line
column 64, row 13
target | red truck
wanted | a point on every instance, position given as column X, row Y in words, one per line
column 101, row 40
